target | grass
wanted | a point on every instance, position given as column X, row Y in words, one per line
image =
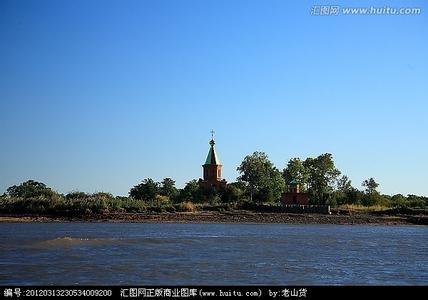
column 362, row 208
column 102, row 203
column 91, row 204
column 81, row 204
column 62, row 205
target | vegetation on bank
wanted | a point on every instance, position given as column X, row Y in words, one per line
column 259, row 187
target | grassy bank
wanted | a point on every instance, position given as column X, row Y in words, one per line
column 237, row 216
column 104, row 207
column 362, row 208
column 88, row 205
column 32, row 197
column 104, row 203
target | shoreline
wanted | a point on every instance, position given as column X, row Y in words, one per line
column 244, row 217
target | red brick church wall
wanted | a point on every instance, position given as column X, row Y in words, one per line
column 295, row 198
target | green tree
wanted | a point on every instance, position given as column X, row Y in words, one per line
column 146, row 190
column 273, row 188
column 232, row 193
column 76, row 195
column 322, row 175
column 399, row 200
column 343, row 189
column 372, row 196
column 30, row 189
column 295, row 170
column 417, row 201
column 102, row 195
column 374, row 199
column 168, row 188
column 261, row 178
column 370, row 185
column 191, row 192
column 353, row 196
column 344, row 185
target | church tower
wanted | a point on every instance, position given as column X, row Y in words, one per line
column 212, row 169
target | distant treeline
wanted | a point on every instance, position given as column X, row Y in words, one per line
column 259, row 183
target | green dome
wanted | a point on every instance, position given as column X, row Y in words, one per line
column 294, row 182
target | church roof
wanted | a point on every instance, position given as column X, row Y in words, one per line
column 212, row 157
column 294, row 182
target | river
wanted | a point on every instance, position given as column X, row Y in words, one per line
column 212, row 254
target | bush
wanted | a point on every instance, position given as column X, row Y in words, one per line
column 76, row 195
column 416, row 203
column 375, row 199
column 30, row 189
column 162, row 199
column 131, row 205
column 146, row 190
column 102, row 195
column 331, row 201
column 186, row 206
column 232, row 193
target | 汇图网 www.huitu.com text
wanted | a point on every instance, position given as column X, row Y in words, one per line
column 335, row 10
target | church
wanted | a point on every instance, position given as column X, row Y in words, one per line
column 212, row 169
column 212, row 179
column 293, row 196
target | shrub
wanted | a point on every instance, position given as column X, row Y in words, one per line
column 146, row 190
column 102, row 195
column 30, row 189
column 187, row 206
column 162, row 199
column 76, row 195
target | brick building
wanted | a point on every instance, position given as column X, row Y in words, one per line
column 212, row 170
column 294, row 196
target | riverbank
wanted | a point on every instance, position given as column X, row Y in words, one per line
column 227, row 217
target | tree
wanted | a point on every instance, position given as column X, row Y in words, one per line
column 261, row 177
column 233, row 192
column 191, row 191
column 322, row 175
column 343, row 190
column 168, row 188
column 277, row 184
column 399, row 200
column 76, row 195
column 354, row 196
column 372, row 196
column 295, row 170
column 102, row 195
column 417, row 201
column 273, row 189
column 146, row 190
column 374, row 199
column 344, row 184
column 30, row 189
column 371, row 186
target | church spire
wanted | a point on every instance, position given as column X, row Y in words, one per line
column 212, row 157
column 212, row 169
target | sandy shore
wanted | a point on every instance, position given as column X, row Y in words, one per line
column 227, row 217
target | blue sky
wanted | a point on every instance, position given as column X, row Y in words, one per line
column 98, row 95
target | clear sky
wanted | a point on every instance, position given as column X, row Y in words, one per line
column 98, row 95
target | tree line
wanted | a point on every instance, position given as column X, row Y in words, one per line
column 259, row 182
